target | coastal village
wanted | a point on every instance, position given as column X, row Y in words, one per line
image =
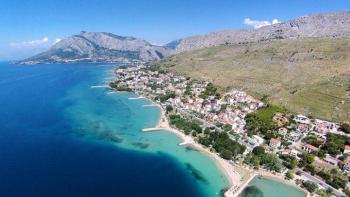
column 248, row 132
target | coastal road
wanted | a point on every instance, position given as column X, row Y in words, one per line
column 321, row 183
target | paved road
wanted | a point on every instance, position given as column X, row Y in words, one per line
column 320, row 182
column 250, row 147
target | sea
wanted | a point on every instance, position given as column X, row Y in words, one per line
column 62, row 133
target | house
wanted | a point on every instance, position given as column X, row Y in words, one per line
column 331, row 160
column 258, row 139
column 275, row 143
column 302, row 119
column 282, row 131
column 310, row 148
column 323, row 127
column 295, row 153
column 294, row 136
column 304, row 128
column 292, row 152
column 346, row 149
column 346, row 166
column 255, row 140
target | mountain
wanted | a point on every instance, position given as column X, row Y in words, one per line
column 173, row 44
column 307, row 75
column 99, row 47
column 321, row 25
column 301, row 64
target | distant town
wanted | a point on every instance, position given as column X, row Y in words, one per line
column 247, row 131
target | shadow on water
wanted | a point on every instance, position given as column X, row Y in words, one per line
column 190, row 148
column 251, row 191
column 196, row 173
column 140, row 145
column 101, row 131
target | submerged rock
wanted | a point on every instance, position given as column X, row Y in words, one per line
column 252, row 191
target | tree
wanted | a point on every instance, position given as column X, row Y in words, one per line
column 347, row 192
column 206, row 131
column 321, row 154
column 261, row 121
column 289, row 175
column 334, row 143
column 210, row 90
column 227, row 127
column 310, row 168
column 289, row 161
column 306, row 159
column 226, row 154
column 345, row 128
column 310, row 186
column 168, row 108
column 259, row 150
column 312, row 140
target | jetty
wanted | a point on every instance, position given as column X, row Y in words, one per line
column 100, row 86
column 152, row 129
column 134, row 98
column 150, row 105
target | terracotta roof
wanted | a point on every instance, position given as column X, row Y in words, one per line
column 274, row 141
column 347, row 147
column 311, row 147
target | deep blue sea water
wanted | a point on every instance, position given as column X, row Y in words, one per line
column 60, row 137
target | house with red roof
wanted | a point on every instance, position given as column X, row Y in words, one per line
column 310, row 148
column 275, row 143
column 346, row 149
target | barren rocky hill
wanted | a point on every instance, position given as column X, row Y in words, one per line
column 99, row 47
column 309, row 75
column 321, row 25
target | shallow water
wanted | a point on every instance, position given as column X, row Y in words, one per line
column 263, row 187
column 60, row 137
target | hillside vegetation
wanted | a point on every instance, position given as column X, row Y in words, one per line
column 309, row 76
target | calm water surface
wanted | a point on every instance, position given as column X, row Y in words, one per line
column 60, row 137
column 263, row 187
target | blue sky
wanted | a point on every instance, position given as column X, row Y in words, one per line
column 31, row 26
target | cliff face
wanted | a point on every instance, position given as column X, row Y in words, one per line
column 99, row 47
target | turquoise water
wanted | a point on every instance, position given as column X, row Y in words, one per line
column 60, row 137
column 116, row 115
column 264, row 187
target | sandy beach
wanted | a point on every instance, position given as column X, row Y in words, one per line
column 233, row 176
column 238, row 176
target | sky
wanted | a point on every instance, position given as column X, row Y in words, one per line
column 32, row 26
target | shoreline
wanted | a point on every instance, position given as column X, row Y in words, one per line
column 280, row 178
column 237, row 183
column 233, row 177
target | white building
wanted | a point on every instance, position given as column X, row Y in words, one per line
column 302, row 119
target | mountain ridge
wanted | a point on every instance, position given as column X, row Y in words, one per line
column 94, row 47
column 319, row 25
column 104, row 47
column 307, row 75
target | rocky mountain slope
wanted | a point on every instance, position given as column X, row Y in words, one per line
column 307, row 75
column 322, row 25
column 99, row 47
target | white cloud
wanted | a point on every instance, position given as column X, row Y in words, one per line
column 257, row 24
column 30, row 43
column 275, row 21
column 57, row 40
